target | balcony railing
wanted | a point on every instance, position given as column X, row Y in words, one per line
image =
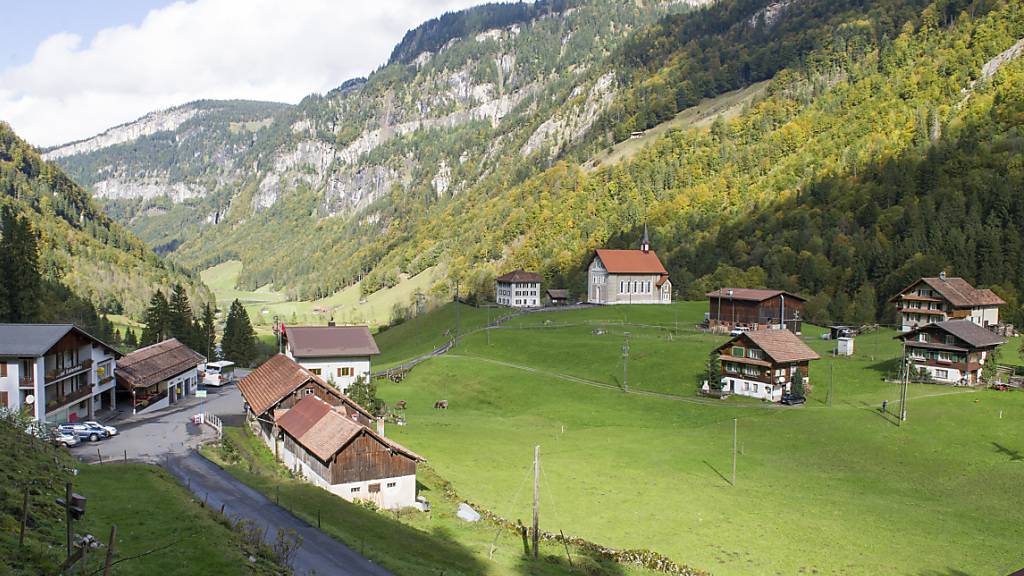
column 64, row 399
column 54, row 375
column 29, row 382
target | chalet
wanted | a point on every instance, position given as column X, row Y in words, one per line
column 932, row 300
column 280, row 383
column 762, row 363
column 954, row 351
column 345, row 457
column 628, row 277
column 557, row 296
column 338, row 354
column 753, row 309
column 519, row 289
column 159, row 375
column 55, row 372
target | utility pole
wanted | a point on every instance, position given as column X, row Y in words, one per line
column 536, row 499
column 734, row 430
column 903, row 388
column 67, row 511
column 625, row 362
column 831, row 363
column 458, row 318
column 488, row 325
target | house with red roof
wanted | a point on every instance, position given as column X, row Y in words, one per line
column 628, row 277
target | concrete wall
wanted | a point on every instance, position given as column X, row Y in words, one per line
column 329, row 366
column 752, row 388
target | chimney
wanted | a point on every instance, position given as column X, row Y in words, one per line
column 380, row 426
column 331, row 322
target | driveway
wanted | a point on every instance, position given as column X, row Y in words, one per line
column 318, row 555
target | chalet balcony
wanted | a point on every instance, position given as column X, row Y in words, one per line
column 55, row 375
column 61, row 400
column 28, row 382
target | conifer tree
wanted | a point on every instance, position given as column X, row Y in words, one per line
column 239, row 341
column 208, row 332
column 130, row 341
column 19, row 265
column 181, row 324
column 156, row 320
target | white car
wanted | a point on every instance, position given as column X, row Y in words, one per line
column 737, row 331
column 111, row 431
column 65, row 439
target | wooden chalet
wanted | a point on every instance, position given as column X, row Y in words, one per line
column 159, row 375
column 337, row 453
column 762, row 363
column 754, row 309
column 932, row 300
column 280, row 383
column 952, row 352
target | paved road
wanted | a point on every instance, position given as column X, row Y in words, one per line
column 319, row 554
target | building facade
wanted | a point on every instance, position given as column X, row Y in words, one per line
column 754, row 309
column 932, row 300
column 763, row 363
column 518, row 289
column 55, row 372
column 159, row 375
column 951, row 352
column 628, row 277
column 339, row 355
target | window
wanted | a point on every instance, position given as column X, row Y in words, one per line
column 755, row 353
column 354, row 490
column 3, row 369
column 345, row 371
column 942, row 374
column 951, row 340
column 373, row 488
column 3, row 399
column 309, row 391
column 315, row 371
column 737, row 351
column 922, row 337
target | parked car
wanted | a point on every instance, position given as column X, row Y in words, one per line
column 84, row 431
column 791, row 399
column 65, row 439
column 737, row 331
column 111, row 431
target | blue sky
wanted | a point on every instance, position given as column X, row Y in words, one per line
column 70, row 69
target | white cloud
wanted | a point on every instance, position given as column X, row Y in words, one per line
column 255, row 49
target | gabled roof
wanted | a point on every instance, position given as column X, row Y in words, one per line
column 958, row 292
column 520, row 275
column 324, row 432
column 321, row 341
column 558, row 293
column 156, row 363
column 779, row 345
column 974, row 335
column 632, row 262
column 280, row 376
column 752, row 294
column 37, row 339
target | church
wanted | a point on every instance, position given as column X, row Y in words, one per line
column 628, row 277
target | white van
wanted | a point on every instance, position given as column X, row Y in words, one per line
column 219, row 373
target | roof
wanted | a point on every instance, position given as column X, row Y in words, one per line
column 320, row 341
column 958, row 292
column 278, row 377
column 156, row 363
column 779, row 345
column 37, row 339
column 631, row 262
column 969, row 332
column 752, row 294
column 558, row 293
column 520, row 275
column 324, row 431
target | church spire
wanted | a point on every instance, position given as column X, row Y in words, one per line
column 645, row 244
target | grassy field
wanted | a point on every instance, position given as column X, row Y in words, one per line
column 346, row 306
column 827, row 488
column 408, row 543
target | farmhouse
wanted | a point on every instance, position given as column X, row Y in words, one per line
column 338, row 354
column 954, row 351
column 345, row 457
column 55, row 372
column 557, row 296
column 519, row 289
column 628, row 277
column 280, row 383
column 159, row 375
column 763, row 363
column 754, row 309
column 931, row 300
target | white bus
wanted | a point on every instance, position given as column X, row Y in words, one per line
column 219, row 373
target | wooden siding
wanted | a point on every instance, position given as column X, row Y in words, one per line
column 365, row 458
column 314, row 463
column 324, row 393
column 731, row 312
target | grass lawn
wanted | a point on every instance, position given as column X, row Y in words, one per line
column 410, row 542
column 151, row 510
column 821, row 489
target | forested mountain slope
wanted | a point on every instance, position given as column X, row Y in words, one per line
column 79, row 245
column 467, row 157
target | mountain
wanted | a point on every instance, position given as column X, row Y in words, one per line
column 479, row 149
column 80, row 246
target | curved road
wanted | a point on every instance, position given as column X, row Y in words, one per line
column 319, row 554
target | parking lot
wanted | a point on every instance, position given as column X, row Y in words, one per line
column 151, row 437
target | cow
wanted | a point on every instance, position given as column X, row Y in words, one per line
column 441, row 405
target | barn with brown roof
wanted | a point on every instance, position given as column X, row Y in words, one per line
column 347, row 458
column 628, row 277
column 754, row 309
column 762, row 363
column 159, row 375
column 931, row 300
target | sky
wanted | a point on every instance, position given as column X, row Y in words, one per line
column 70, row 69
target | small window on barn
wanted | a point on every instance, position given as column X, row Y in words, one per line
column 354, row 490
column 309, row 391
column 737, row 351
column 392, row 484
column 373, row 488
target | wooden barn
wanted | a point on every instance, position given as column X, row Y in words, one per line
column 754, row 309
column 280, row 383
column 337, row 453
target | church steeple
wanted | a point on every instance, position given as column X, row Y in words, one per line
column 645, row 244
